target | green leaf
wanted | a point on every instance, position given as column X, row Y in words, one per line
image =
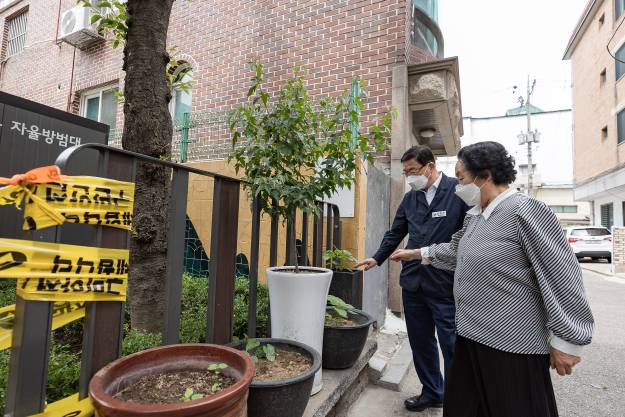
column 270, row 352
column 196, row 397
column 251, row 345
column 95, row 18
column 188, row 392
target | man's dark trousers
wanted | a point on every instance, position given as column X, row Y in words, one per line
column 427, row 292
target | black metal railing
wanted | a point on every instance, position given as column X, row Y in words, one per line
column 103, row 323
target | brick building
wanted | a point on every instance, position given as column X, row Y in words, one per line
column 395, row 45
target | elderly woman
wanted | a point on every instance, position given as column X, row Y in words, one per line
column 520, row 299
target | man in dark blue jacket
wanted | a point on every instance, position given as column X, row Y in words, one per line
column 429, row 213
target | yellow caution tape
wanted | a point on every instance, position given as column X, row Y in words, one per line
column 58, row 272
column 69, row 407
column 62, row 314
column 86, row 200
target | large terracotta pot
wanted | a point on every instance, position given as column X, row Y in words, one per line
column 117, row 375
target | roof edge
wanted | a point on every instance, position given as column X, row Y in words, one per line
column 583, row 23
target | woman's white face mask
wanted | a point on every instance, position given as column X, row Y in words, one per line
column 469, row 193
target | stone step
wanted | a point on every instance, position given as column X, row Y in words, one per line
column 397, row 368
column 342, row 387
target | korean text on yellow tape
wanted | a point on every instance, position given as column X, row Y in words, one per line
column 50, row 200
column 62, row 314
column 58, row 272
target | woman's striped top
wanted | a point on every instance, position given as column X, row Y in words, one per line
column 518, row 285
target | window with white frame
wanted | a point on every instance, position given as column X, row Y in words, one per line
column 181, row 98
column 101, row 106
column 16, row 34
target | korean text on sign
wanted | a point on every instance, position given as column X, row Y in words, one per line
column 34, row 132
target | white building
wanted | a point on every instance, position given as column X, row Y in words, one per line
column 552, row 156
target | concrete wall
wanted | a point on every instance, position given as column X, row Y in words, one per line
column 377, row 223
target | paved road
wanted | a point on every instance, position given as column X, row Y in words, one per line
column 596, row 389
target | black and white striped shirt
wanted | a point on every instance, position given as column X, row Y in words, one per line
column 518, row 285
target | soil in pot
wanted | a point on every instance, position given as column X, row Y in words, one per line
column 175, row 387
column 287, row 364
column 334, row 320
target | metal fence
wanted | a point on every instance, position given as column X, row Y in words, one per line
column 103, row 323
column 197, row 137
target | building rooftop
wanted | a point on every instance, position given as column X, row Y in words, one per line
column 523, row 110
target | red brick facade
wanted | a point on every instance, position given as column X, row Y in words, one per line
column 332, row 39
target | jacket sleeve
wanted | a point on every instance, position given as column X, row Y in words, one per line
column 395, row 235
column 559, row 276
column 444, row 255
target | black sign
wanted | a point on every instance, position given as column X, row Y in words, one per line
column 33, row 135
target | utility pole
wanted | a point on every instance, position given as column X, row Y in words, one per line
column 530, row 166
column 529, row 137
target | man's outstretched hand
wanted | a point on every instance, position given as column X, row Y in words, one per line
column 367, row 263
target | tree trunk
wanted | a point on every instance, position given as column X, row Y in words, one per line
column 148, row 130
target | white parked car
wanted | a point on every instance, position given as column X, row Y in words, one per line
column 590, row 242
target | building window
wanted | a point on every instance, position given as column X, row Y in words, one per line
column 564, row 209
column 620, row 62
column 101, row 106
column 619, row 7
column 181, row 98
column 16, row 34
column 620, row 126
column 607, row 215
column 604, row 133
column 430, row 7
column 603, row 76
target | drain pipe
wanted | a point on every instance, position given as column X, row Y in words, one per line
column 71, row 84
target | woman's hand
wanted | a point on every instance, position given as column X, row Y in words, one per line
column 406, row 255
column 562, row 362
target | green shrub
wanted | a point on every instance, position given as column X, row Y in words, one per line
column 7, row 292
column 5, row 356
column 138, row 340
column 63, row 373
column 194, row 304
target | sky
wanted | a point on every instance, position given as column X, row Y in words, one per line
column 500, row 42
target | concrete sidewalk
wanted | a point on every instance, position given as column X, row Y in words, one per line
column 596, row 388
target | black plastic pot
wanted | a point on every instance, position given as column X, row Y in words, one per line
column 342, row 346
column 347, row 285
column 286, row 398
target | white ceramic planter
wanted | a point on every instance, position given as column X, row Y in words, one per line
column 298, row 306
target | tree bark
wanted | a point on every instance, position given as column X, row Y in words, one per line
column 148, row 130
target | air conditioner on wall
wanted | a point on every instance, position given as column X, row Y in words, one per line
column 76, row 28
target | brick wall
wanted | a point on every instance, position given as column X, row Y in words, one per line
column 332, row 40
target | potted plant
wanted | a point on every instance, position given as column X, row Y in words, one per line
column 345, row 334
column 285, row 371
column 293, row 152
column 177, row 380
column 346, row 282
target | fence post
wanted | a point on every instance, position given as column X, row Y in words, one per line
column 103, row 323
column 28, row 372
column 318, row 237
column 175, row 254
column 337, row 232
column 184, row 137
column 222, row 260
column 304, row 250
column 254, row 253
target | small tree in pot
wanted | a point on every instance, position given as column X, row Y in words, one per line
column 293, row 152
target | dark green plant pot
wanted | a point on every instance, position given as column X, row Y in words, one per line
column 347, row 285
column 342, row 345
column 285, row 398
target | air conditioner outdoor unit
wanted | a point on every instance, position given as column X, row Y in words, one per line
column 76, row 28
